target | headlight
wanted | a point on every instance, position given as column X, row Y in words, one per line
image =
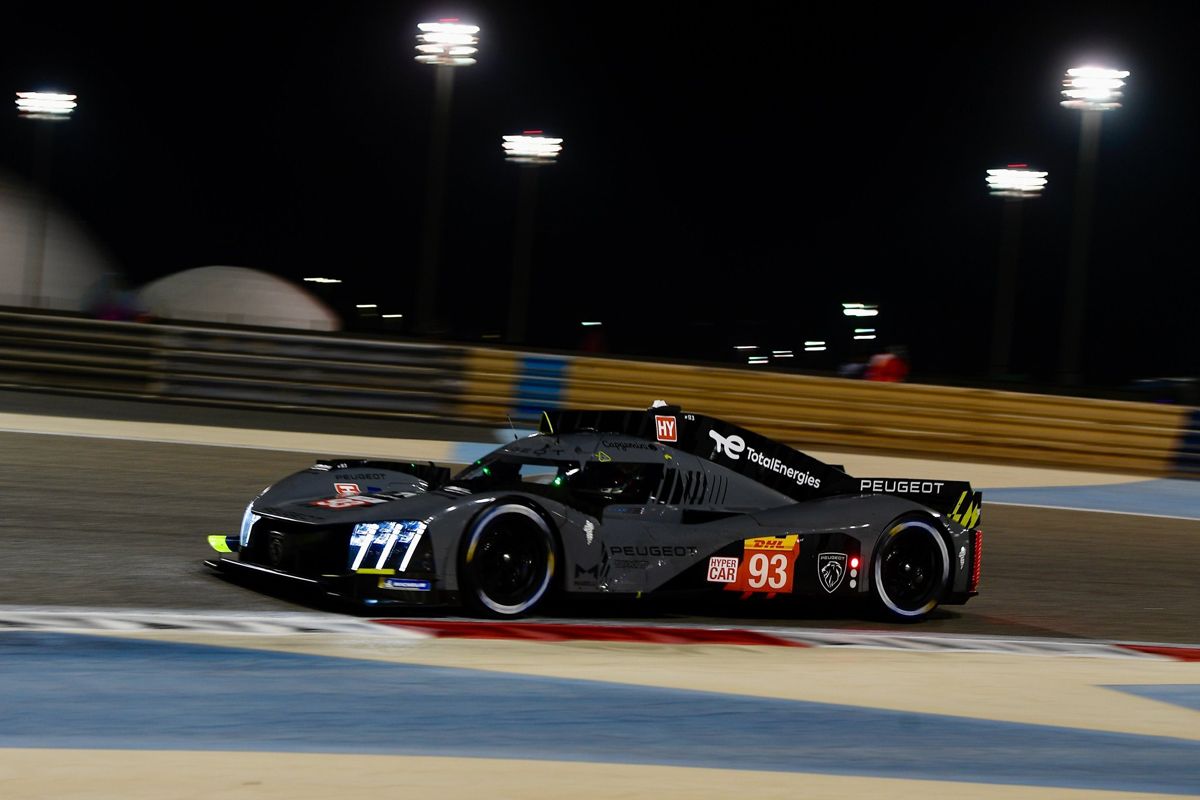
column 248, row 520
column 380, row 545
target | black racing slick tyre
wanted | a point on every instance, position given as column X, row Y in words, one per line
column 508, row 561
column 912, row 568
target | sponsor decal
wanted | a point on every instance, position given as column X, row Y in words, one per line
column 346, row 488
column 669, row 551
column 734, row 446
column 349, row 501
column 602, row 456
column 623, row 446
column 628, row 564
column 768, row 565
column 731, row 446
column 588, row 531
column 901, row 487
column 962, row 556
column 722, row 569
column 405, row 584
column 360, row 476
column 666, row 429
column 831, row 568
column 593, row 571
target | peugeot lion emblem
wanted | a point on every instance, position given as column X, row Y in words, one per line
column 831, row 568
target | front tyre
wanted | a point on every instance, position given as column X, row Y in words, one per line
column 912, row 568
column 507, row 561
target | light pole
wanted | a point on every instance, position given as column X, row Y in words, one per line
column 531, row 150
column 1016, row 183
column 445, row 45
column 46, row 108
column 1091, row 90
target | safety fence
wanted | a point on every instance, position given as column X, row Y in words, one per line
column 333, row 373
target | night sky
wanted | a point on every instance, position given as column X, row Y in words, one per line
column 731, row 173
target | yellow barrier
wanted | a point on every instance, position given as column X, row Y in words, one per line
column 812, row 412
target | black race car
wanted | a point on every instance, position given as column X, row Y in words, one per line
column 613, row 503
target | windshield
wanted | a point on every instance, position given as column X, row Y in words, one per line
column 606, row 482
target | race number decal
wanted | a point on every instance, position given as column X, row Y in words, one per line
column 768, row 564
column 348, row 501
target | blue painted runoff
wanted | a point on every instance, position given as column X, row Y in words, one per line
column 1165, row 496
column 74, row 691
column 1185, row 695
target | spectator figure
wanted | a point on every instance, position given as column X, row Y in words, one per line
column 890, row 366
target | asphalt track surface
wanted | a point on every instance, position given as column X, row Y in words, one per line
column 116, row 524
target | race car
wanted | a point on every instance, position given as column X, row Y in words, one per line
column 616, row 503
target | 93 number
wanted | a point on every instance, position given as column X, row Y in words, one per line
column 770, row 571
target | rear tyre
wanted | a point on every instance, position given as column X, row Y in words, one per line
column 912, row 568
column 508, row 561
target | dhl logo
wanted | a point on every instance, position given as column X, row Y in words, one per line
column 783, row 543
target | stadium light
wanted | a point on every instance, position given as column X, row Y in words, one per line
column 446, row 45
column 1014, row 183
column 45, row 105
column 530, row 149
column 41, row 107
column 1091, row 90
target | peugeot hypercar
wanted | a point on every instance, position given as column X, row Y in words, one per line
column 613, row 503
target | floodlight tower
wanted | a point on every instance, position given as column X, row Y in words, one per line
column 45, row 108
column 531, row 150
column 1015, row 184
column 1092, row 91
column 445, row 45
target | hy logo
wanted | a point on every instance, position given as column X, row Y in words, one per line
column 731, row 446
column 831, row 568
column 666, row 429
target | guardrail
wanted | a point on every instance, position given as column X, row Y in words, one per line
column 336, row 373
column 232, row 366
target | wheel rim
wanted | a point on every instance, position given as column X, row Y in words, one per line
column 510, row 560
column 911, row 568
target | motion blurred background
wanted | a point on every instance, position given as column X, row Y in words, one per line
column 729, row 177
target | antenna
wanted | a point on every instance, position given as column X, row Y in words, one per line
column 514, row 427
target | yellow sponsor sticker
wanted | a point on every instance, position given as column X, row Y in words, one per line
column 783, row 543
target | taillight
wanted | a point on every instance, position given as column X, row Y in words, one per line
column 976, row 560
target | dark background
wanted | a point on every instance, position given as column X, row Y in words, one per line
column 731, row 173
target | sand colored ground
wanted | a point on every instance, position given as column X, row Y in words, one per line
column 187, row 775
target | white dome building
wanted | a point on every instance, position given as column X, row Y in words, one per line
column 236, row 296
column 72, row 263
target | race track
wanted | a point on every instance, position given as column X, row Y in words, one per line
column 110, row 523
column 128, row 670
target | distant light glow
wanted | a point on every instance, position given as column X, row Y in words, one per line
column 813, row 344
column 745, row 347
column 756, row 360
column 865, row 336
column 1093, row 88
column 1018, row 183
column 391, row 316
column 783, row 355
column 860, row 309
column 447, row 43
column 523, row 149
column 864, row 330
column 45, row 105
column 815, row 349
column 591, row 324
column 322, row 280
column 781, row 352
column 366, row 305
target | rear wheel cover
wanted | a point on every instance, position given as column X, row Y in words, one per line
column 912, row 567
column 509, row 560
